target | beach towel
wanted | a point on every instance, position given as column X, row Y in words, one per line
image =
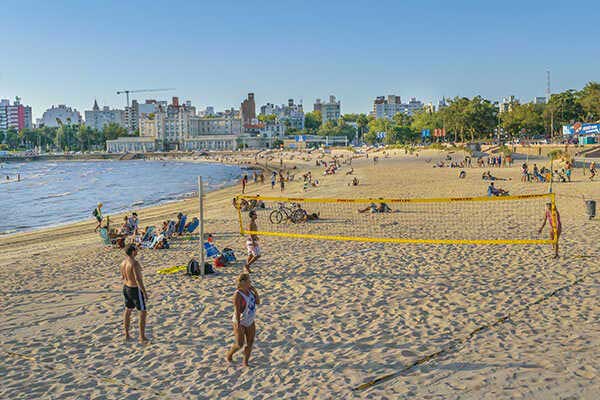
column 172, row 270
column 104, row 236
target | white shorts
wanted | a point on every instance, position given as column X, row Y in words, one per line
column 253, row 249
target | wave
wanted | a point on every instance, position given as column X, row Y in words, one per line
column 51, row 196
column 137, row 203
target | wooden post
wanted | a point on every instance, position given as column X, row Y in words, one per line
column 201, row 200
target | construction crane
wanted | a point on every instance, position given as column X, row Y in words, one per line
column 140, row 91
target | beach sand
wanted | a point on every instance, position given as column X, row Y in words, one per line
column 509, row 321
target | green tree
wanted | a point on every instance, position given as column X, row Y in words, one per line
column 11, row 138
column 362, row 121
column 480, row 117
column 563, row 108
column 523, row 118
column 426, row 120
column 112, row 131
column 312, row 121
column 589, row 98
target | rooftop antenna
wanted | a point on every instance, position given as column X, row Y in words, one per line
column 548, row 101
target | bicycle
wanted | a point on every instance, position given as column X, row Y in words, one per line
column 293, row 213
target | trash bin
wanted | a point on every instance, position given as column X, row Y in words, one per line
column 590, row 208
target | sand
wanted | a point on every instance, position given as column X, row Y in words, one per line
column 505, row 321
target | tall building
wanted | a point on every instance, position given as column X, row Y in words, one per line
column 330, row 111
column 66, row 115
column 507, row 104
column 133, row 113
column 290, row 115
column 97, row 118
column 318, row 106
column 387, row 107
column 14, row 115
column 248, row 110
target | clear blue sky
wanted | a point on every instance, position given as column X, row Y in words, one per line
column 213, row 53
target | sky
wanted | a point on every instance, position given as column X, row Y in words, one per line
column 214, row 53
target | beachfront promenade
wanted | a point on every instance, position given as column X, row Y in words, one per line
column 512, row 322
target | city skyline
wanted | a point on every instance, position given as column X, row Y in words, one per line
column 215, row 54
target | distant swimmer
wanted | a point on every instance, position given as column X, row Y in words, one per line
column 134, row 292
column 245, row 300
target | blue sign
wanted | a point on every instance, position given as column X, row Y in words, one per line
column 426, row 133
column 380, row 135
column 300, row 138
column 581, row 129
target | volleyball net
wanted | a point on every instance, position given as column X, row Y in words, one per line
column 464, row 220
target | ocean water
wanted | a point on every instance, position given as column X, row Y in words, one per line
column 54, row 193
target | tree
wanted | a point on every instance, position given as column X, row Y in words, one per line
column 362, row 121
column 589, row 98
column 480, row 117
column 271, row 118
column 312, row 121
column 112, row 131
column 523, row 117
column 563, row 109
column 11, row 138
column 426, row 120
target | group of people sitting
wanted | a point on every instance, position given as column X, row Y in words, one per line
column 494, row 191
column 150, row 238
column 374, row 208
column 245, row 205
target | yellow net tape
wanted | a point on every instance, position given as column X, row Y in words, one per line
column 464, row 220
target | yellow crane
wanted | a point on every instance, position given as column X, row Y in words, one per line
column 127, row 91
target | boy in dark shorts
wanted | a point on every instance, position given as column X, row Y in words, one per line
column 134, row 292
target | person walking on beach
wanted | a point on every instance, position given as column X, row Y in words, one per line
column 244, row 182
column 97, row 213
column 558, row 228
column 592, row 170
column 134, row 292
column 281, row 181
column 252, row 243
column 273, row 178
column 245, row 300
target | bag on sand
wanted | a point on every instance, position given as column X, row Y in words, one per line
column 229, row 255
column 193, row 268
column 219, row 261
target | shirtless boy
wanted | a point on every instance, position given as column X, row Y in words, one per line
column 134, row 292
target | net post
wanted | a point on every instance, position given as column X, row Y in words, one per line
column 239, row 211
column 201, row 201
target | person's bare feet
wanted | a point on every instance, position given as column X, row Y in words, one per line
column 144, row 340
column 229, row 357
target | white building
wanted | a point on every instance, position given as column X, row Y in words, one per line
column 62, row 113
column 539, row 100
column 131, row 145
column 211, row 142
column 214, row 126
column 507, row 104
column 97, row 118
column 387, row 107
column 330, row 111
column 290, row 115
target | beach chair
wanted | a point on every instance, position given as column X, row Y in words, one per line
column 211, row 250
column 149, row 233
column 151, row 243
column 182, row 225
column 193, row 225
column 170, row 229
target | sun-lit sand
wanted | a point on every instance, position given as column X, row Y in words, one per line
column 335, row 315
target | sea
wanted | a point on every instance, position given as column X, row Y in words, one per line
column 56, row 193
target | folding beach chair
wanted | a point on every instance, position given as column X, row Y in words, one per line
column 182, row 225
column 193, row 225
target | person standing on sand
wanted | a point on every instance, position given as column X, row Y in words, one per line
column 97, row 213
column 548, row 217
column 244, row 182
column 252, row 243
column 273, row 178
column 281, row 181
column 245, row 300
column 134, row 292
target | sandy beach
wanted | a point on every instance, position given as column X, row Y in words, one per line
column 441, row 321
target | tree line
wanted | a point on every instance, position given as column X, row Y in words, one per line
column 67, row 137
column 468, row 119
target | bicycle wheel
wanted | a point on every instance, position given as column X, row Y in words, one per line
column 298, row 215
column 276, row 217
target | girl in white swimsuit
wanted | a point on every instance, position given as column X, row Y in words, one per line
column 245, row 300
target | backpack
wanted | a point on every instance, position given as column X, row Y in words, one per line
column 229, row 255
column 95, row 212
column 193, row 268
column 219, row 261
